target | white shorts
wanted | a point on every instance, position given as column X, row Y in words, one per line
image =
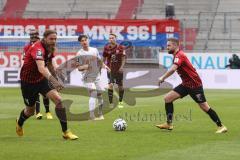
column 94, row 85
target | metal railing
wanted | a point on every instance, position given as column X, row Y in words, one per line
column 64, row 15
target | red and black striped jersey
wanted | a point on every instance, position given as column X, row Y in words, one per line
column 114, row 56
column 29, row 71
column 186, row 71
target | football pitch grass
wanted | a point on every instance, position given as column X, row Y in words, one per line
column 192, row 138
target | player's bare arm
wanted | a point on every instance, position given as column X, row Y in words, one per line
column 172, row 69
column 103, row 65
column 123, row 62
column 46, row 73
column 106, row 67
column 104, row 59
column 52, row 69
column 85, row 66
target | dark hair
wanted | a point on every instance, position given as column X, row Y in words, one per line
column 80, row 37
column 48, row 32
column 33, row 32
column 112, row 34
column 34, row 35
column 174, row 40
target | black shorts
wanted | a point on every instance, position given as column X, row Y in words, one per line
column 197, row 94
column 115, row 78
column 30, row 92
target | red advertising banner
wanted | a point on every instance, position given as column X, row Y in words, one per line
column 21, row 27
column 139, row 32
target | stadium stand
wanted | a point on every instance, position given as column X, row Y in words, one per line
column 72, row 9
column 223, row 33
column 128, row 9
column 205, row 25
column 189, row 12
column 11, row 8
column 2, row 4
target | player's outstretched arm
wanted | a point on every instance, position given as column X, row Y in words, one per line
column 172, row 69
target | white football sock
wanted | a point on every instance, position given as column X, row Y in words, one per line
column 92, row 103
column 100, row 105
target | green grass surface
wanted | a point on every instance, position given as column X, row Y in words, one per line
column 192, row 138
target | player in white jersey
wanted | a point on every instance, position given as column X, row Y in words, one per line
column 90, row 63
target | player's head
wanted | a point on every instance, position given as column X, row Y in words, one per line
column 50, row 40
column 83, row 39
column 50, row 37
column 112, row 38
column 172, row 45
column 34, row 35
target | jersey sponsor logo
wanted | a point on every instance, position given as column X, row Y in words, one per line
column 114, row 59
column 39, row 54
column 199, row 97
column 176, row 60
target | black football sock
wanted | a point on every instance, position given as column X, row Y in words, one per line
column 37, row 105
column 46, row 104
column 213, row 115
column 169, row 111
column 121, row 92
column 22, row 118
column 110, row 95
column 61, row 114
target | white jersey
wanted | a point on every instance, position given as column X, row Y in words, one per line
column 92, row 58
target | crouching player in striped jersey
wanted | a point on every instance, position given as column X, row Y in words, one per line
column 38, row 76
column 34, row 37
column 191, row 84
column 90, row 64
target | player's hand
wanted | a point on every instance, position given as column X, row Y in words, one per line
column 160, row 80
column 55, row 83
column 108, row 69
column 61, row 75
column 83, row 67
column 120, row 70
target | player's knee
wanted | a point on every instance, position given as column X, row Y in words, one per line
column 110, row 86
column 56, row 99
column 167, row 99
column 93, row 93
column 204, row 106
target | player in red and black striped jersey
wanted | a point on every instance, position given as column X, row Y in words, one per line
column 34, row 37
column 38, row 76
column 191, row 84
column 115, row 57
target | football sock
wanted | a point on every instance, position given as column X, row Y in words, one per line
column 61, row 114
column 169, row 111
column 100, row 105
column 213, row 115
column 22, row 118
column 110, row 95
column 46, row 103
column 37, row 105
column 92, row 103
column 121, row 92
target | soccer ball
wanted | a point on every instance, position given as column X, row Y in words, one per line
column 120, row 125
